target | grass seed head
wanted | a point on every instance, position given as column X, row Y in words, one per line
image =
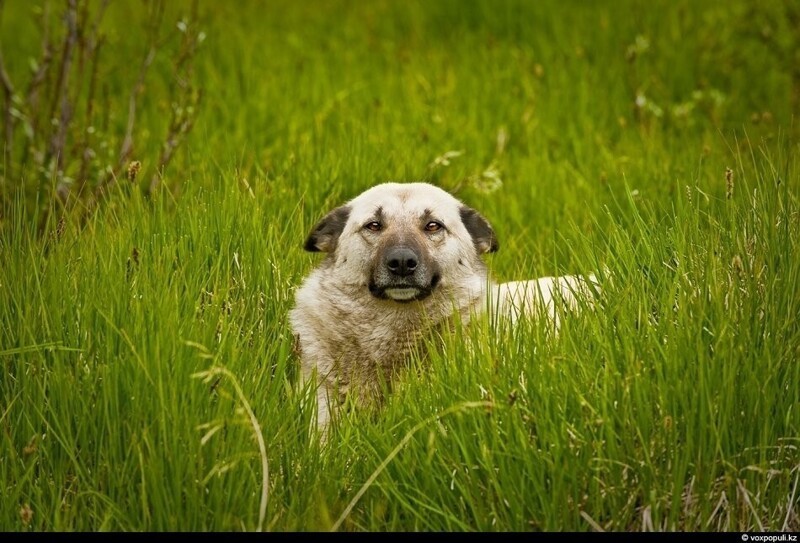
column 133, row 170
column 26, row 514
column 31, row 447
column 728, row 183
column 736, row 264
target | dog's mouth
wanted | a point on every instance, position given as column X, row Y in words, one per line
column 403, row 292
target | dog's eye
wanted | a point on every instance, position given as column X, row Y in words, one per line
column 373, row 226
column 433, row 226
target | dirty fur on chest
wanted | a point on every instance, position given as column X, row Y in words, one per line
column 363, row 365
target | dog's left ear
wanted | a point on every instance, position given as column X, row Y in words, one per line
column 326, row 233
column 481, row 231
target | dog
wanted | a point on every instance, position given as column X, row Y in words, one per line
column 402, row 259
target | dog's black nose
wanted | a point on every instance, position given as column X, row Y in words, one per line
column 401, row 261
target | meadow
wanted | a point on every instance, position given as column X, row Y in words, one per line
column 147, row 379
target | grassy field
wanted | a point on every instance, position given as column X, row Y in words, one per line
column 145, row 344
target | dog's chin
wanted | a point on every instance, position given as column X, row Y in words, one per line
column 403, row 293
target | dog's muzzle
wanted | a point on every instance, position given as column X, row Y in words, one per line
column 402, row 275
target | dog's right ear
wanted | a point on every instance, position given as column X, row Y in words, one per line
column 326, row 233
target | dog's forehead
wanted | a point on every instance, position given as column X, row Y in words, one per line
column 406, row 199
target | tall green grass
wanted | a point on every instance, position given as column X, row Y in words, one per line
column 673, row 404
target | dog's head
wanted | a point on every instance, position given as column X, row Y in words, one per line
column 404, row 242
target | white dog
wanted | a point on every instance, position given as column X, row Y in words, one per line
column 402, row 258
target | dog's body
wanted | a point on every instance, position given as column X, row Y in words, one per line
column 402, row 260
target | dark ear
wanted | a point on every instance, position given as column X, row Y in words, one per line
column 327, row 231
column 481, row 231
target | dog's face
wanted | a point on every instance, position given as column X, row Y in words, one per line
column 404, row 242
